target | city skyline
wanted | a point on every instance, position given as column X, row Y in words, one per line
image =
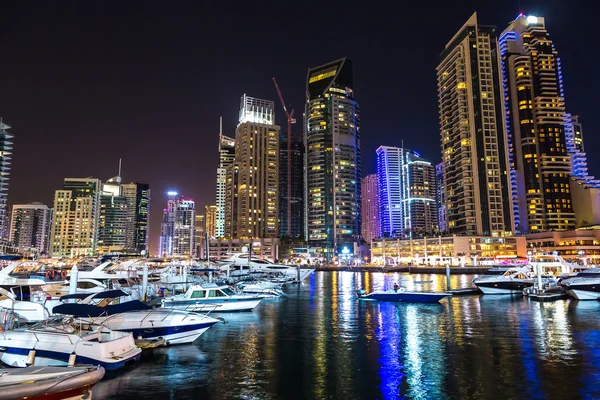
column 102, row 120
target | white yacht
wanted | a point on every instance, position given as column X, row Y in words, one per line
column 174, row 326
column 60, row 342
column 585, row 285
column 254, row 264
column 505, row 280
column 212, row 297
column 27, row 311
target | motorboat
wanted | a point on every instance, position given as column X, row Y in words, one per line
column 62, row 342
column 27, row 311
column 144, row 322
column 261, row 288
column 585, row 285
column 48, row 383
column 212, row 297
column 505, row 280
column 402, row 295
column 255, row 264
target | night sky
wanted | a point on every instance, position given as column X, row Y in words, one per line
column 83, row 83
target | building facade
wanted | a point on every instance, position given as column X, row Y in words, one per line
column 137, row 195
column 473, row 139
column 5, row 157
column 439, row 197
column 29, row 227
column 332, row 162
column 536, row 122
column 419, row 197
column 297, row 189
column 226, row 158
column 264, row 248
column 76, row 218
column 370, row 208
column 210, row 221
column 177, row 237
column 390, row 164
column 255, row 213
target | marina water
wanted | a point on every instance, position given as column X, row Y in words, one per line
column 320, row 342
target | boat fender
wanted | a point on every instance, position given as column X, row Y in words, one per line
column 30, row 357
column 50, row 274
column 63, row 274
column 72, row 359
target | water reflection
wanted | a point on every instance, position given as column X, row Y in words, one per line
column 321, row 342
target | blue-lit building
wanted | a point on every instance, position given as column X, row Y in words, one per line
column 5, row 157
column 407, row 193
column 332, row 161
column 439, row 197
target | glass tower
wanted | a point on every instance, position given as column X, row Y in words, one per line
column 333, row 164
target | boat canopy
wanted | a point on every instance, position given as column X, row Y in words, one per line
column 88, row 310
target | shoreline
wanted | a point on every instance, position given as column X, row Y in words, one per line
column 409, row 269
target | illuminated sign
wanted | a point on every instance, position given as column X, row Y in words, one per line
column 322, row 75
column 532, row 20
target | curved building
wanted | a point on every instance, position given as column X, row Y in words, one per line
column 332, row 143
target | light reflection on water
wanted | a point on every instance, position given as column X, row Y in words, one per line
column 321, row 342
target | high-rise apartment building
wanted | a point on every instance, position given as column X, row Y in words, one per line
column 138, row 212
column 29, row 227
column 333, row 163
column 439, row 197
column 536, row 124
column 297, row 189
column 370, row 208
column 5, row 157
column 177, row 236
column 407, row 198
column 473, row 140
column 210, row 221
column 76, row 216
column 226, row 158
column 113, row 220
column 419, row 197
column 256, row 162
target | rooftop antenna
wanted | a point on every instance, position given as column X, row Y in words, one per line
column 119, row 174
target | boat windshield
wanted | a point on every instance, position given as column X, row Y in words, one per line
column 228, row 291
column 198, row 294
column 495, row 272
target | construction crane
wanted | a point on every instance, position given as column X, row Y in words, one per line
column 290, row 121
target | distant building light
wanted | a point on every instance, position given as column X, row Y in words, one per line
column 171, row 193
column 532, row 19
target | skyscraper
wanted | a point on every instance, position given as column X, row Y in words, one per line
column 5, row 157
column 297, row 189
column 536, row 124
column 210, row 218
column 370, row 208
column 138, row 211
column 406, row 185
column 257, row 163
column 177, row 236
column 439, row 197
column 333, row 164
column 473, row 140
column 419, row 200
column 28, row 227
column 226, row 158
column 76, row 216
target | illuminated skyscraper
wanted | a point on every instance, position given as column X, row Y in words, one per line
column 5, row 157
column 536, row 124
column 28, row 227
column 76, row 217
column 473, row 140
column 297, row 192
column 255, row 213
column 167, row 227
column 333, row 164
column 440, row 201
column 138, row 211
column 406, row 185
column 370, row 208
column 178, row 227
column 210, row 218
column 226, row 158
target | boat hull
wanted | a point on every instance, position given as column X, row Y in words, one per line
column 172, row 334
column 499, row 287
column 406, row 297
column 583, row 293
column 218, row 306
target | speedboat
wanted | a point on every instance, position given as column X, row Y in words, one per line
column 401, row 295
column 37, row 383
column 504, row 280
column 63, row 342
column 174, row 326
column 212, row 297
column 26, row 311
column 585, row 285
column 262, row 289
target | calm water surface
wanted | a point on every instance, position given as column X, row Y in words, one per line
column 322, row 343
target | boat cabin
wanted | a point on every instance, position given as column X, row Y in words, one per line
column 201, row 292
